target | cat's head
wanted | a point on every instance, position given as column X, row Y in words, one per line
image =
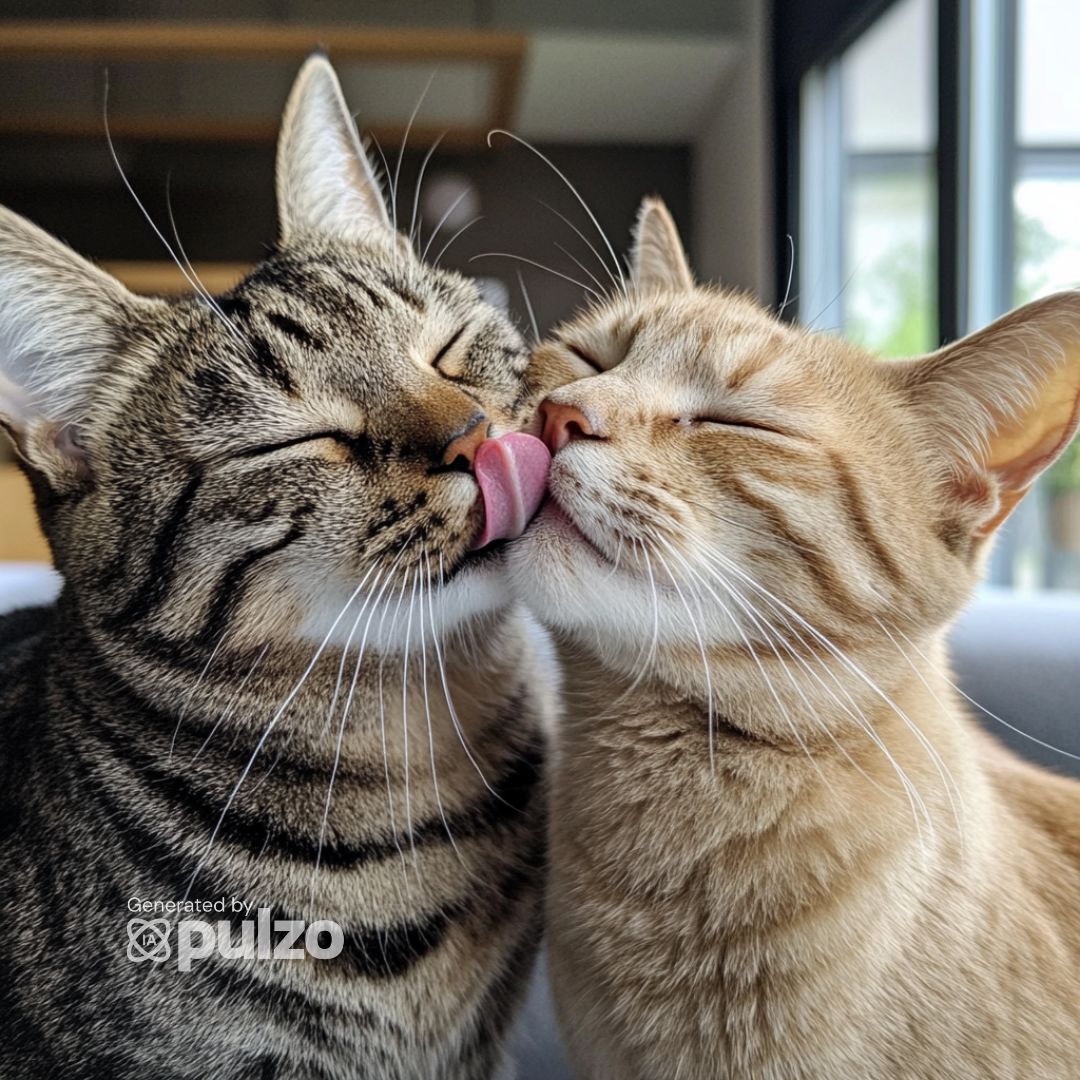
column 244, row 464
column 728, row 477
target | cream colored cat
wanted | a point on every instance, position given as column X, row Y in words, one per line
column 781, row 848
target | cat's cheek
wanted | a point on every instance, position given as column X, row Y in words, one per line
column 478, row 590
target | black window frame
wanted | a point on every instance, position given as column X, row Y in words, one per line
column 807, row 36
column 978, row 160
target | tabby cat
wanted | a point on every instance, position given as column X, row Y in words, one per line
column 780, row 847
column 279, row 675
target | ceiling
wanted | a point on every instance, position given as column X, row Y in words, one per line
column 213, row 82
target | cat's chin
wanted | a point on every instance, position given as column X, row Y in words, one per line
column 474, row 590
column 574, row 535
column 553, row 542
column 564, row 578
column 573, row 587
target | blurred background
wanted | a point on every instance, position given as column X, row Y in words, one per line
column 899, row 171
column 928, row 170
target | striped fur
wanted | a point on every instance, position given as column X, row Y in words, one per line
column 780, row 848
column 277, row 671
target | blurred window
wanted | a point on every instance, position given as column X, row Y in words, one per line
column 868, row 205
column 1042, row 546
column 867, row 262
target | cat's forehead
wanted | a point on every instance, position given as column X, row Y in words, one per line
column 316, row 337
column 355, row 288
column 314, row 317
column 704, row 332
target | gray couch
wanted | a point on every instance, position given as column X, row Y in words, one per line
column 1017, row 655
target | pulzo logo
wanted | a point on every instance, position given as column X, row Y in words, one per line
column 196, row 939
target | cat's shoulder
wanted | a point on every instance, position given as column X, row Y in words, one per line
column 1041, row 800
column 24, row 633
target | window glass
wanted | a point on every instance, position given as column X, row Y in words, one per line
column 1047, row 112
column 891, row 254
column 889, row 79
column 1046, row 203
column 1040, row 547
column 869, row 252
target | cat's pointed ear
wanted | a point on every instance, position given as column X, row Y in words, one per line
column 325, row 183
column 1003, row 403
column 61, row 320
column 658, row 259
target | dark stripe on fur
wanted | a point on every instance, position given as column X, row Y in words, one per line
column 188, row 737
column 291, row 328
column 268, row 365
column 235, row 307
column 856, row 509
column 230, row 590
column 374, row 952
column 377, row 301
column 170, row 791
column 404, row 293
column 157, row 580
column 830, row 584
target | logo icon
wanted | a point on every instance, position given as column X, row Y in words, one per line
column 148, row 939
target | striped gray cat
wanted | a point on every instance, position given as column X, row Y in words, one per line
column 245, row 495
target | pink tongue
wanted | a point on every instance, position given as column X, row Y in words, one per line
column 512, row 473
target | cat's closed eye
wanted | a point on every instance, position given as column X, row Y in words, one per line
column 350, row 441
column 439, row 358
column 724, row 421
column 581, row 354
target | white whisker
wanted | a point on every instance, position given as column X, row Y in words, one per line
column 528, row 307
column 446, row 247
column 404, row 143
column 290, row 697
column 581, row 266
column 405, row 711
column 419, row 183
column 231, row 705
column 426, row 582
column 607, row 269
column 704, row 663
column 196, row 286
column 191, row 695
column 577, row 195
column 454, row 720
column 540, row 266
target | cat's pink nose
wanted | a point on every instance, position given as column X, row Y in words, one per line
column 460, row 451
column 562, row 423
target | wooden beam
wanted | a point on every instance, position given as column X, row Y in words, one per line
column 507, row 89
column 502, row 53
column 213, row 130
column 20, row 534
column 122, row 40
column 165, row 279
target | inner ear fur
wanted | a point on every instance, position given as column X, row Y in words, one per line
column 325, row 183
column 658, row 259
column 61, row 320
column 1001, row 405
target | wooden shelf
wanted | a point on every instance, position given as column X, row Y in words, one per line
column 165, row 279
column 20, row 536
column 103, row 42
column 121, row 40
column 211, row 130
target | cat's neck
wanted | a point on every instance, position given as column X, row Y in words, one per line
column 783, row 757
column 302, row 686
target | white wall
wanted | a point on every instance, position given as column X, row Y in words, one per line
column 732, row 172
